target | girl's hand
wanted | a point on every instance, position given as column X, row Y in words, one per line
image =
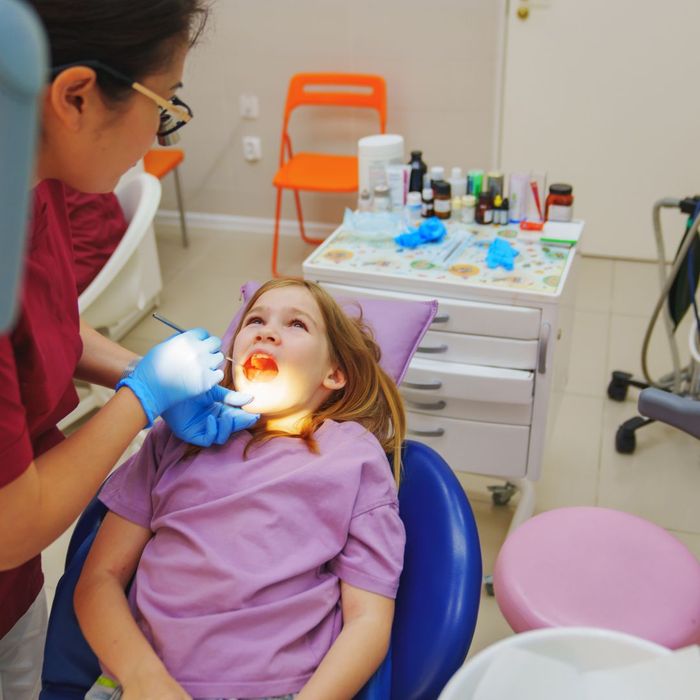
column 159, row 685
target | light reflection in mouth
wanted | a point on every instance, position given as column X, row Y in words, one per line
column 260, row 367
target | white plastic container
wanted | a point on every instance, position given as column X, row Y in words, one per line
column 374, row 153
column 585, row 648
column 458, row 182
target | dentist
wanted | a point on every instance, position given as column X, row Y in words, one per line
column 115, row 69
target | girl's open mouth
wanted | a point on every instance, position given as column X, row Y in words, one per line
column 260, row 367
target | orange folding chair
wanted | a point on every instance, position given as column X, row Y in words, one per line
column 320, row 172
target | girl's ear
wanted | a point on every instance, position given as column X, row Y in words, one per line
column 335, row 379
column 69, row 94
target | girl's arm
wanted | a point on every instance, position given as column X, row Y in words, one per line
column 359, row 649
column 106, row 620
column 103, row 361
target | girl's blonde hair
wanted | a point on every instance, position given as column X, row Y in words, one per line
column 369, row 397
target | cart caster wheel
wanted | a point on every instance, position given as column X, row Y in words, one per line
column 500, row 499
column 617, row 389
column 501, row 495
column 488, row 585
column 625, row 440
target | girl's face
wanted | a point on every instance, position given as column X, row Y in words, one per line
column 88, row 142
column 282, row 358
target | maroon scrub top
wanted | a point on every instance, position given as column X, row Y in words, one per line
column 97, row 225
column 38, row 358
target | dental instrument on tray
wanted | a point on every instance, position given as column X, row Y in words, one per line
column 177, row 328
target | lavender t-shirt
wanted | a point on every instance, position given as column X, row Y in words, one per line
column 238, row 589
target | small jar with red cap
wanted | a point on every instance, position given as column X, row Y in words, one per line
column 559, row 205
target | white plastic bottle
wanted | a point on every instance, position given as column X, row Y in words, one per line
column 458, row 182
column 414, row 207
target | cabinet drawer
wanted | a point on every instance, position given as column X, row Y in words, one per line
column 471, row 446
column 509, row 353
column 468, row 382
column 460, row 316
column 483, row 411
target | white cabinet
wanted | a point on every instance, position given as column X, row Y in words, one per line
column 478, row 389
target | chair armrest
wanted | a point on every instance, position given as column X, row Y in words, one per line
column 679, row 411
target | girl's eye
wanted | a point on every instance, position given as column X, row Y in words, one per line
column 253, row 319
column 297, row 323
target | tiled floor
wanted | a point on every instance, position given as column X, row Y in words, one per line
column 661, row 481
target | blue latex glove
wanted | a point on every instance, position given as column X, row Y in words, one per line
column 501, row 253
column 179, row 368
column 432, row 230
column 210, row 417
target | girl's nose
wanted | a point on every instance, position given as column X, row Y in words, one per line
column 268, row 334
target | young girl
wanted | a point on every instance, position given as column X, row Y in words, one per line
column 267, row 566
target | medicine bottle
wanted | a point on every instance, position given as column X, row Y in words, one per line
column 418, row 170
column 468, row 208
column 437, row 172
column 428, row 209
column 559, row 205
column 364, row 203
column 414, row 208
column 382, row 198
column 442, row 199
column 458, row 183
column 484, row 209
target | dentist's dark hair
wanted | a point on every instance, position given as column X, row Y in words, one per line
column 135, row 37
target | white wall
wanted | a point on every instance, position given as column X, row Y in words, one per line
column 440, row 60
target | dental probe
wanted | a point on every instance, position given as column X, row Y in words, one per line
column 177, row 328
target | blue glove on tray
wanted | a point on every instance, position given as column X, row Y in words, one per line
column 432, row 230
column 501, row 253
column 179, row 368
column 211, row 417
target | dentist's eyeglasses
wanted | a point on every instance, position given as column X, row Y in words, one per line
column 174, row 113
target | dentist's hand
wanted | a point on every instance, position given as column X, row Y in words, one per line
column 179, row 368
column 210, row 417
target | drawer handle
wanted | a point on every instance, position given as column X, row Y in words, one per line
column 443, row 318
column 542, row 349
column 435, row 406
column 433, row 349
column 438, row 432
column 430, row 386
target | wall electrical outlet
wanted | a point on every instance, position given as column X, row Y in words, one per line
column 249, row 107
column 252, row 148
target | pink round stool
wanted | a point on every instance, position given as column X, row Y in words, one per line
column 597, row 567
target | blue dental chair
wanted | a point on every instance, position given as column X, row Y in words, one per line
column 436, row 607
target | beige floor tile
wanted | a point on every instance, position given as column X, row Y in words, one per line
column 594, row 287
column 571, row 458
column 660, row 481
column 588, row 361
column 690, row 539
column 173, row 256
column 626, row 339
column 492, row 523
column 635, row 289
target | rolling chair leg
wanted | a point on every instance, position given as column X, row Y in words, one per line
column 625, row 439
column 276, row 236
column 183, row 224
column 305, row 238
